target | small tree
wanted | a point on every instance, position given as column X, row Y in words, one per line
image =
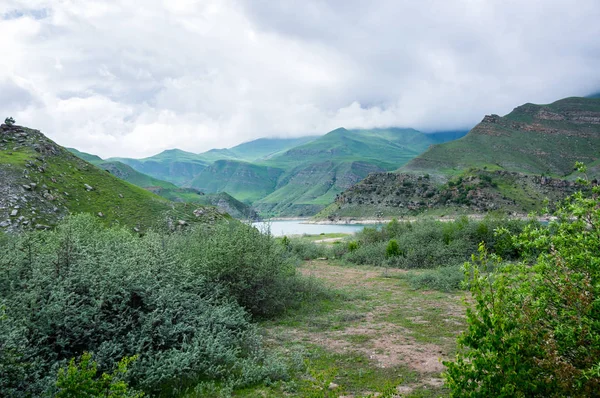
column 9, row 121
column 534, row 327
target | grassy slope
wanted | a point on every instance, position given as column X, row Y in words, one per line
column 538, row 139
column 264, row 148
column 247, row 182
column 88, row 157
column 173, row 165
column 62, row 177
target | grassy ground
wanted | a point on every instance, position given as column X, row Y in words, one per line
column 377, row 337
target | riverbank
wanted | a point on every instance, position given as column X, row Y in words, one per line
column 375, row 221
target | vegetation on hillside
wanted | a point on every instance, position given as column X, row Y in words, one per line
column 469, row 192
column 533, row 139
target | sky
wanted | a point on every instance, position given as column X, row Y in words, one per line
column 131, row 78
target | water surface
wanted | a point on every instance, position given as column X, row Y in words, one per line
column 297, row 227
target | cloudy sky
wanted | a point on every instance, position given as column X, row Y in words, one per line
column 132, row 78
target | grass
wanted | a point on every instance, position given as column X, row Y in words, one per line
column 376, row 334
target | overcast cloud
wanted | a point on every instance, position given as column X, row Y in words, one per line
column 131, row 78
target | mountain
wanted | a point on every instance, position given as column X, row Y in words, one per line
column 180, row 167
column 42, row 182
column 170, row 191
column 510, row 163
column 535, row 139
column 306, row 177
column 88, row 157
column 173, row 165
column 245, row 181
column 265, row 148
column 319, row 170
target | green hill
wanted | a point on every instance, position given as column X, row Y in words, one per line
column 42, row 182
column 172, row 192
column 173, row 165
column 88, row 157
column 245, row 181
column 510, row 163
column 536, row 139
column 265, row 148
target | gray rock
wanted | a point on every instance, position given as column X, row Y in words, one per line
column 41, row 226
column 100, row 214
column 14, row 213
column 33, row 185
column 4, row 224
column 27, row 187
column 88, row 187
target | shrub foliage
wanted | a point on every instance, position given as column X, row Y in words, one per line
column 534, row 327
column 182, row 302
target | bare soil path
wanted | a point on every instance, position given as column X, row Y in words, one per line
column 379, row 326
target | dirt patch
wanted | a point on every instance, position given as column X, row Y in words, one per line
column 387, row 343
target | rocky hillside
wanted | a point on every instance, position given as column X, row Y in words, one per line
column 474, row 191
column 535, row 139
column 42, row 182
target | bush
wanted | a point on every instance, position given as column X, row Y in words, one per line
column 534, row 329
column 177, row 300
column 81, row 380
column 392, row 249
column 9, row 121
column 445, row 279
column 352, row 246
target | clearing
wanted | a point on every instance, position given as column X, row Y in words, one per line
column 378, row 337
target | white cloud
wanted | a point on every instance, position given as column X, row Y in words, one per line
column 122, row 78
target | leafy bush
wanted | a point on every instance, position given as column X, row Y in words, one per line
column 392, row 249
column 9, row 121
column 433, row 244
column 81, row 380
column 177, row 300
column 534, row 329
column 445, row 279
column 352, row 246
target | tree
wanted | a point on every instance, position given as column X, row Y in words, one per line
column 534, row 327
column 9, row 121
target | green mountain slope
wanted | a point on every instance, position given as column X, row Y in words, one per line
column 265, row 148
column 245, row 181
column 88, row 157
column 173, row 165
column 538, row 139
column 528, row 154
column 42, row 182
column 305, row 190
column 388, row 148
column 172, row 192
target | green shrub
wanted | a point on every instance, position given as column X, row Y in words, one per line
column 177, row 300
column 81, row 380
column 9, row 121
column 392, row 249
column 352, row 246
column 533, row 329
column 445, row 279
